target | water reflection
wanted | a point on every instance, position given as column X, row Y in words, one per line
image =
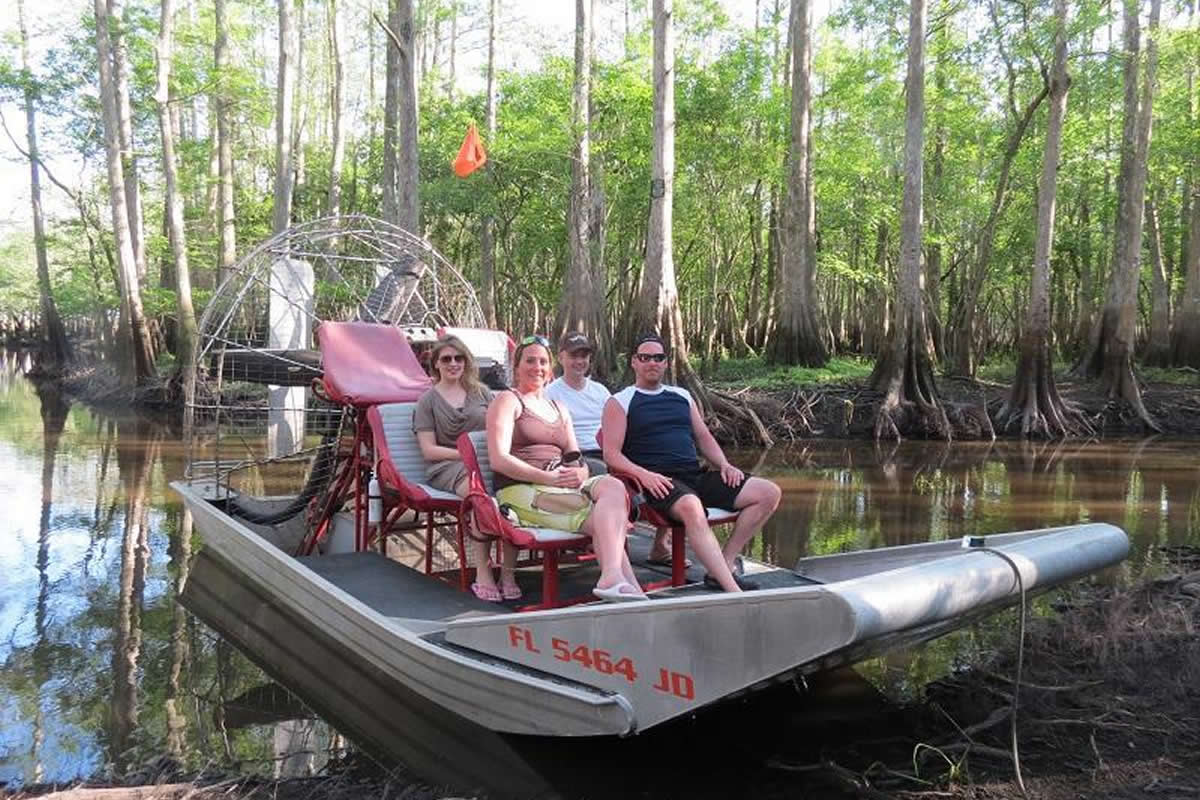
column 841, row 496
column 102, row 669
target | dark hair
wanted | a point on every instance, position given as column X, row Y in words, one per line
column 649, row 337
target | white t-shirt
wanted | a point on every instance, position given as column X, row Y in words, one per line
column 585, row 407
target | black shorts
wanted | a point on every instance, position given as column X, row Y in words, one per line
column 705, row 484
column 595, row 462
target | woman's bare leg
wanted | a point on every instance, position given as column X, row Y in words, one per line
column 607, row 525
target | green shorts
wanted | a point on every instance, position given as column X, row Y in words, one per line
column 550, row 506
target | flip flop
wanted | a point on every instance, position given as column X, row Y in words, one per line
column 510, row 591
column 666, row 561
column 613, row 594
column 489, row 594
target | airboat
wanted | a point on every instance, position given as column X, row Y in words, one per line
column 329, row 563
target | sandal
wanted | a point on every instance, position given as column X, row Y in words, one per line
column 509, row 590
column 621, row 592
column 489, row 594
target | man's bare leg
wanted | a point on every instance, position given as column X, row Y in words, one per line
column 660, row 550
column 756, row 502
column 690, row 511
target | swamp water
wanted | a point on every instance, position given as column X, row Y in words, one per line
column 102, row 670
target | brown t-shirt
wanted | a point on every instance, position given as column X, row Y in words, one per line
column 446, row 422
column 536, row 441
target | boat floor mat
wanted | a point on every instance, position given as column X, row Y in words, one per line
column 393, row 589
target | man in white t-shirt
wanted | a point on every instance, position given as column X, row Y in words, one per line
column 583, row 397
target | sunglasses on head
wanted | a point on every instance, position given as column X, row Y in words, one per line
column 646, row 358
column 535, row 339
column 455, row 358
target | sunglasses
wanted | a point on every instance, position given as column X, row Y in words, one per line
column 535, row 339
column 646, row 358
column 456, row 358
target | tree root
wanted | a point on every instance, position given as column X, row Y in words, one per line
column 1036, row 404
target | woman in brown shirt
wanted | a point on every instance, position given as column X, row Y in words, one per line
column 528, row 435
column 456, row 404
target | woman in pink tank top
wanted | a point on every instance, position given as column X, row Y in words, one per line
column 528, row 435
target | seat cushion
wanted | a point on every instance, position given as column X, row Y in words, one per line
column 553, row 535
column 438, row 494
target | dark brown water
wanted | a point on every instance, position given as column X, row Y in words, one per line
column 101, row 670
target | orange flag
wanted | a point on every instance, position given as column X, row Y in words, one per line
column 470, row 156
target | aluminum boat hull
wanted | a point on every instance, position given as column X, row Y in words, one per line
column 457, row 671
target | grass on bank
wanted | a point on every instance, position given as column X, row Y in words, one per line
column 755, row 373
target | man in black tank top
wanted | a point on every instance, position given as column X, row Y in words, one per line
column 655, row 433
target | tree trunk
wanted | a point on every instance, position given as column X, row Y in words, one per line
column 450, row 72
column 797, row 336
column 1158, row 346
column 936, row 195
column 227, row 235
column 1085, row 294
column 133, row 194
column 56, row 349
column 657, row 306
column 582, row 306
column 1034, row 399
column 1185, row 333
column 904, row 373
column 487, row 243
column 299, row 106
column 285, row 95
column 1110, row 355
column 186, row 338
column 1185, row 330
column 391, row 116
column 335, row 101
column 138, row 360
column 408, row 173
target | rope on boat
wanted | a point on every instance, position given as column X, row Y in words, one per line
column 1016, row 755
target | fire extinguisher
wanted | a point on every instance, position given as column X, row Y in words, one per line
column 374, row 502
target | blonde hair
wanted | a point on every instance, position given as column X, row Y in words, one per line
column 470, row 375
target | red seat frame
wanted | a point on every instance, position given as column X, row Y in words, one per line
column 480, row 506
column 659, row 520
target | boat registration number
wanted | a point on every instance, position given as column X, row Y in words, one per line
column 605, row 662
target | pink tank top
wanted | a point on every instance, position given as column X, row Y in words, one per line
column 536, row 441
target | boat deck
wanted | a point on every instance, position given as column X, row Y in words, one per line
column 396, row 590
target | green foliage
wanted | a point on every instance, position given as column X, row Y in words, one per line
column 18, row 281
column 755, row 373
column 732, row 129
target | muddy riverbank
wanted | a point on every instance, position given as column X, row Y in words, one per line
column 828, row 411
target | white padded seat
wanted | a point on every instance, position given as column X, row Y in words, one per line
column 479, row 440
column 437, row 494
column 548, row 535
column 720, row 514
column 402, row 444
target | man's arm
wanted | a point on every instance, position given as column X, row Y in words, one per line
column 706, row 443
column 613, row 425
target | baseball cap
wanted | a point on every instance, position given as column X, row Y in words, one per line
column 570, row 342
column 649, row 337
